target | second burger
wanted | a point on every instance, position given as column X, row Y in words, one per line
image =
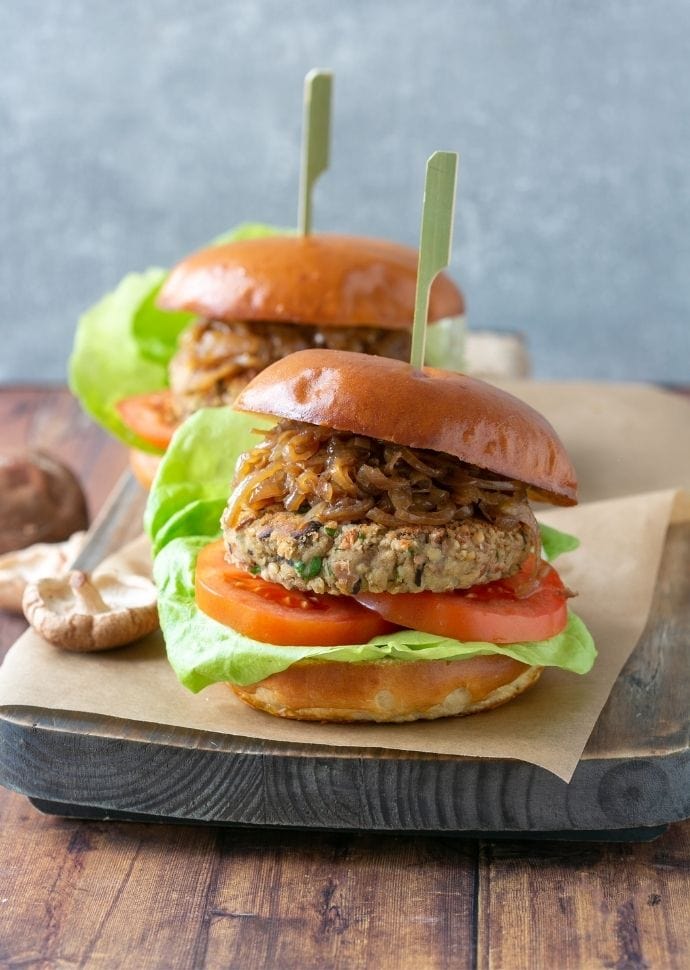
column 256, row 301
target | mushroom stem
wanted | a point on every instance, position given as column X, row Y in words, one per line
column 86, row 594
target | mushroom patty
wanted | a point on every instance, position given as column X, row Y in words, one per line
column 348, row 558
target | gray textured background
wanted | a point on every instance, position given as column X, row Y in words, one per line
column 132, row 132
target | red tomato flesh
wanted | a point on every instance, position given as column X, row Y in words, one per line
column 151, row 416
column 494, row 613
column 272, row 614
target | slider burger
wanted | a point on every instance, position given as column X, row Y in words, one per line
column 389, row 508
column 257, row 300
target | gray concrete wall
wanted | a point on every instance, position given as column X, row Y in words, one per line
column 132, row 132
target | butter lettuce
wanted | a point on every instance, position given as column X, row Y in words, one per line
column 445, row 344
column 108, row 363
column 182, row 515
column 555, row 543
column 193, row 480
column 123, row 344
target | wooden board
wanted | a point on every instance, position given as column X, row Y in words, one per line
column 632, row 779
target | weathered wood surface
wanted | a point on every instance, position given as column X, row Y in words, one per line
column 111, row 894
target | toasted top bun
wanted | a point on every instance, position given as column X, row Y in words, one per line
column 328, row 280
column 435, row 409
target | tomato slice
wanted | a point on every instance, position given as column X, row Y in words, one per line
column 151, row 416
column 272, row 614
column 496, row 612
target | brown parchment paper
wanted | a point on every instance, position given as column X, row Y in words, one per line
column 624, row 439
column 614, row 572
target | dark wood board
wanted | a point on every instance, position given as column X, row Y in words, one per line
column 633, row 776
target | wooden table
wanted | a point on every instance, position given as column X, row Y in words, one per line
column 76, row 894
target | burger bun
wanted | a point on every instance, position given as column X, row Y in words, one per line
column 389, row 691
column 324, row 280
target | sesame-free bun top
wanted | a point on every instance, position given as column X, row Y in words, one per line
column 434, row 409
column 321, row 279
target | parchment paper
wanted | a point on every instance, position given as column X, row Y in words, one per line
column 624, row 439
column 614, row 573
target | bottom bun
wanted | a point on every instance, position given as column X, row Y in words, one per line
column 389, row 690
column 144, row 466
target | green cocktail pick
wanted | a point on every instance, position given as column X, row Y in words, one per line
column 316, row 140
column 435, row 240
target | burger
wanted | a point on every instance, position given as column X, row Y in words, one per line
column 377, row 558
column 254, row 301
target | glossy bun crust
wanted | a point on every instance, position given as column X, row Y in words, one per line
column 435, row 409
column 319, row 279
column 390, row 691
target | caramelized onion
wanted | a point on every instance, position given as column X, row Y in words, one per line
column 216, row 358
column 376, row 478
column 334, row 476
column 402, row 517
column 341, row 511
column 415, row 461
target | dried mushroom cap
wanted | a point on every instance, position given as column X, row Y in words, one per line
column 41, row 500
column 84, row 613
column 24, row 566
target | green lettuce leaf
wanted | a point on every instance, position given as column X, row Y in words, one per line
column 107, row 362
column 124, row 343
column 555, row 543
column 251, row 230
column 445, row 344
column 183, row 514
column 193, row 481
column 156, row 332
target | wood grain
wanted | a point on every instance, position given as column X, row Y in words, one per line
column 81, row 895
column 581, row 906
column 110, row 895
column 653, row 688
